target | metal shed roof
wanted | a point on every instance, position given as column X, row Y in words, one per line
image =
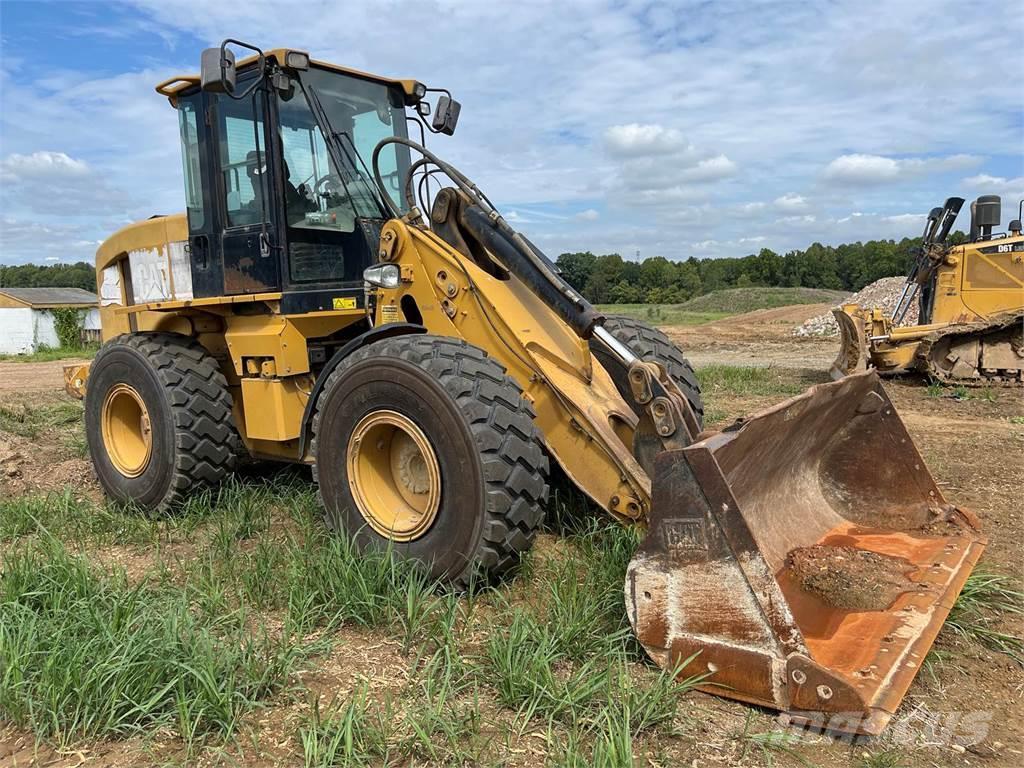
column 42, row 298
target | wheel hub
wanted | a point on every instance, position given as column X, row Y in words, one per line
column 394, row 475
column 126, row 429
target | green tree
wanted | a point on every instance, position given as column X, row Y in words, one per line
column 577, row 268
column 607, row 273
column 624, row 292
column 78, row 275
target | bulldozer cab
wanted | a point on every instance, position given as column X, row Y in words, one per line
column 278, row 190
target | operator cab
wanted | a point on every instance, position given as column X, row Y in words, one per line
column 277, row 154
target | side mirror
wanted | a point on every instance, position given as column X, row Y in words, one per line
column 217, row 70
column 446, row 115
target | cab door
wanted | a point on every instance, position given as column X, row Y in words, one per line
column 248, row 205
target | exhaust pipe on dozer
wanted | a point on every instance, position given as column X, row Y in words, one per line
column 805, row 555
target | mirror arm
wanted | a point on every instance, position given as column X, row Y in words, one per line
column 260, row 67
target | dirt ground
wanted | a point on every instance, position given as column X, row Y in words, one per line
column 974, row 447
column 25, row 378
column 762, row 338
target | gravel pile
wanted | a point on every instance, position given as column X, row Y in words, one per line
column 882, row 293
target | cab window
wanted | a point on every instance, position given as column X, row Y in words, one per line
column 188, row 126
column 242, row 158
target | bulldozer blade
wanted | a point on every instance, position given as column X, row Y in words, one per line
column 805, row 555
column 853, row 345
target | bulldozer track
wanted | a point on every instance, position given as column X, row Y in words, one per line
column 926, row 363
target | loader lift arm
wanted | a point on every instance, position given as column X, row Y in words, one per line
column 667, row 421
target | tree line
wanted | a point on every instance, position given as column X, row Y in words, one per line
column 78, row 275
column 610, row 279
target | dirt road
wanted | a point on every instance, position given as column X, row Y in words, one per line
column 761, row 339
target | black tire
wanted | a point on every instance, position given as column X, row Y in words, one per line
column 195, row 443
column 649, row 343
column 493, row 466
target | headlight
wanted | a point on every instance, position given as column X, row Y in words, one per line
column 383, row 275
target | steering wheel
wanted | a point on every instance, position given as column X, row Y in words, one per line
column 329, row 185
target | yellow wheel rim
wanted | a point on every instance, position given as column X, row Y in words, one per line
column 127, row 434
column 393, row 475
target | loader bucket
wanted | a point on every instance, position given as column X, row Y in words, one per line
column 805, row 555
column 853, row 346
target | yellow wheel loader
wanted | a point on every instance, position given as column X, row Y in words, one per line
column 970, row 298
column 326, row 300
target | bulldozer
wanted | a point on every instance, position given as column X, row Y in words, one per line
column 337, row 295
column 970, row 297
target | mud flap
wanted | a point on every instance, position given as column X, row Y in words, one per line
column 853, row 346
column 806, row 555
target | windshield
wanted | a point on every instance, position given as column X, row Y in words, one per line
column 361, row 112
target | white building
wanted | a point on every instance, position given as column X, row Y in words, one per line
column 26, row 322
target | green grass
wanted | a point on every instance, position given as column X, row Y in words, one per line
column 87, row 655
column 738, row 300
column 662, row 314
column 31, row 421
column 350, row 734
column 985, row 598
column 743, row 381
column 178, row 646
column 239, row 507
column 718, row 304
column 49, row 354
column 961, row 393
column 770, row 744
column 884, row 758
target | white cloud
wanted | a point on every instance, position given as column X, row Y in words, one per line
column 588, row 215
column 875, row 169
column 906, row 218
column 1011, row 190
column 656, row 167
column 862, row 169
column 637, row 140
column 791, row 203
column 710, row 169
column 41, row 164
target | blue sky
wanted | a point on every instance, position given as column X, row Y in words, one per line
column 676, row 129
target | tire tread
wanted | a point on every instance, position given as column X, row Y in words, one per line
column 514, row 462
column 207, row 443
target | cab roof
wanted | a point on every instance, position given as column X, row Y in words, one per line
column 174, row 86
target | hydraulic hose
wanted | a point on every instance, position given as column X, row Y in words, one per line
column 519, row 256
